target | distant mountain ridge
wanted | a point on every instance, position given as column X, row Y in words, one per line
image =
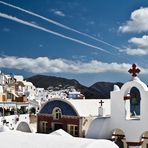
column 47, row 81
column 99, row 90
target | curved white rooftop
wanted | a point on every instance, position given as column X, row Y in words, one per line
column 30, row 140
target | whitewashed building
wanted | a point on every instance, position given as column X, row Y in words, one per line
column 128, row 123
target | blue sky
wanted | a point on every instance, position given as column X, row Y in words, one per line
column 87, row 40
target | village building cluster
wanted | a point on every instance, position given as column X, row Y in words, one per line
column 122, row 118
column 19, row 97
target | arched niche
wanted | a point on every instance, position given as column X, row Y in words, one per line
column 132, row 100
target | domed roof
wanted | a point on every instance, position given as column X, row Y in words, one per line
column 23, row 127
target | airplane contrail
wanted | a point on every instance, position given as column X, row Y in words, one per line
column 58, row 24
column 6, row 16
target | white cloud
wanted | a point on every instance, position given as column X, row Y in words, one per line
column 58, row 12
column 135, row 51
column 138, row 21
column 141, row 46
column 140, row 42
column 46, row 65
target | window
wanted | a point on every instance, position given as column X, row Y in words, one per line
column 57, row 114
column 43, row 126
column 10, row 96
column 73, row 130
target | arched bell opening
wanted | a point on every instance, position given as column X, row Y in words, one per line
column 144, row 139
column 133, row 104
column 119, row 138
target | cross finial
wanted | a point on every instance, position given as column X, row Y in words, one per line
column 134, row 70
column 101, row 103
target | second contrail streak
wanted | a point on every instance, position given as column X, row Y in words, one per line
column 49, row 31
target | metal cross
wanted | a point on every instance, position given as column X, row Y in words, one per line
column 134, row 70
column 101, row 103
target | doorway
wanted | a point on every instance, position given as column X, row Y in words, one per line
column 57, row 126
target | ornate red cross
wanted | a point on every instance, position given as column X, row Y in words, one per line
column 134, row 70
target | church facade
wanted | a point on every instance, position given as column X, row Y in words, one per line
column 56, row 115
column 73, row 116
